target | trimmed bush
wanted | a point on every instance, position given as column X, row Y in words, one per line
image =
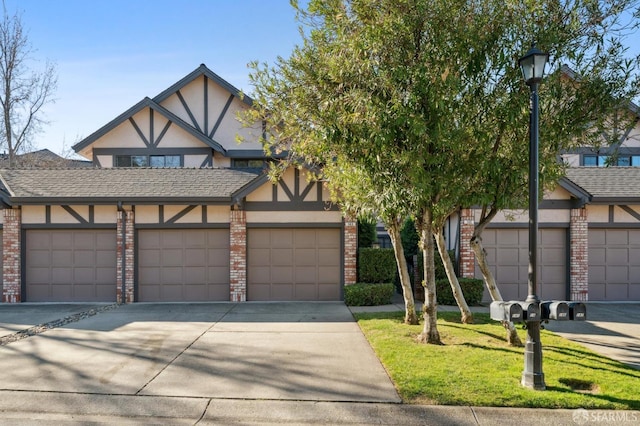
column 471, row 288
column 368, row 294
column 376, row 265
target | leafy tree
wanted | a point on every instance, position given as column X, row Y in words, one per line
column 416, row 107
column 24, row 92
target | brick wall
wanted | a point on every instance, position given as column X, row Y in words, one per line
column 11, row 250
column 350, row 250
column 129, row 254
column 579, row 255
column 467, row 257
column 238, row 256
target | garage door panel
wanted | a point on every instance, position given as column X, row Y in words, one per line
column 84, row 241
column 61, row 275
column 284, row 239
column 195, row 275
column 306, row 291
column 306, row 257
column 171, row 275
column 84, row 275
column 292, row 264
column 62, row 258
column 617, row 237
column 219, row 274
column 614, row 264
column 508, row 256
column 282, row 291
column 305, row 275
column 195, row 257
column 105, row 259
column 329, row 275
column 183, row 265
column 84, row 257
column 281, row 274
column 70, row 265
column 172, row 257
column 259, row 257
column 617, row 291
column 553, row 256
column 282, row 256
column 218, row 257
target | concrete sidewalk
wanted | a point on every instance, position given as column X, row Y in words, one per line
column 214, row 363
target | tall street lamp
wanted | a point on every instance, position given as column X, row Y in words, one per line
column 532, row 65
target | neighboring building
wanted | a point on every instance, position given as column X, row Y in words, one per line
column 589, row 231
column 173, row 210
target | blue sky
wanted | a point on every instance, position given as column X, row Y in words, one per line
column 110, row 54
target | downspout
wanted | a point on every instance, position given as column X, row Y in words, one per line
column 123, row 252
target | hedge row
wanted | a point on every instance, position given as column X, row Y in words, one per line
column 368, row 294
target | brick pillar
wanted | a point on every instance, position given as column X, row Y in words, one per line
column 11, row 256
column 350, row 250
column 129, row 250
column 238, row 256
column 467, row 256
column 579, row 254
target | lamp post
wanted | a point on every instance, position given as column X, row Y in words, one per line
column 532, row 65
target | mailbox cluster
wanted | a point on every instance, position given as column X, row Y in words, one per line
column 515, row 311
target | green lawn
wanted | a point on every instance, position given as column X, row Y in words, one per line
column 476, row 367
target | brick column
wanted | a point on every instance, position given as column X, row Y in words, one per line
column 579, row 255
column 238, row 256
column 467, row 256
column 11, row 256
column 350, row 250
column 129, row 251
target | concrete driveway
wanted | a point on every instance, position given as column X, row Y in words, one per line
column 273, row 351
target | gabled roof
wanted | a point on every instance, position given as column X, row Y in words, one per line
column 147, row 103
column 129, row 185
column 607, row 185
column 155, row 105
column 203, row 70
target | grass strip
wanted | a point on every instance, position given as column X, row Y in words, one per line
column 476, row 367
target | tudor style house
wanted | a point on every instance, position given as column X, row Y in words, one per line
column 589, row 231
column 174, row 209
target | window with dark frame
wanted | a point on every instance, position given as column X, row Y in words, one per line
column 248, row 163
column 148, row 161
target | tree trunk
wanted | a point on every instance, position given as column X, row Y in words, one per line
column 476, row 244
column 410, row 316
column 430, row 332
column 465, row 312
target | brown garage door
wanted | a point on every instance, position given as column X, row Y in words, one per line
column 614, row 264
column 293, row 264
column 176, row 265
column 508, row 255
column 70, row 265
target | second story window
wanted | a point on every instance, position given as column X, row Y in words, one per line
column 147, row 161
column 252, row 163
column 608, row 161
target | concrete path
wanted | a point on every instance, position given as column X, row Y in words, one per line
column 299, row 351
column 218, row 363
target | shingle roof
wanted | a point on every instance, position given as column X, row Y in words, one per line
column 124, row 184
column 607, row 183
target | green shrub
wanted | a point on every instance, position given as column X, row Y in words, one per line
column 471, row 288
column 368, row 294
column 376, row 265
column 367, row 233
